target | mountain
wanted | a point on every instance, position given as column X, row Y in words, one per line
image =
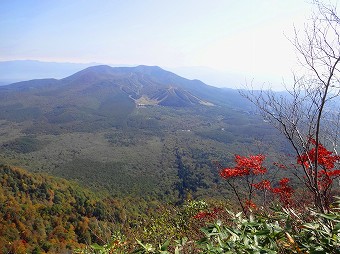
column 129, row 130
column 141, row 85
column 21, row 70
column 104, row 96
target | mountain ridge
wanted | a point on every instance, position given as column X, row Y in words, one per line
column 147, row 82
column 12, row 71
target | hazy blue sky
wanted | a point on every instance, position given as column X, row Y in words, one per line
column 241, row 36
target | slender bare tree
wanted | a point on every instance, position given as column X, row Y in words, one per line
column 307, row 111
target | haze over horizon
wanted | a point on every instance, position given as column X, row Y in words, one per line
column 239, row 39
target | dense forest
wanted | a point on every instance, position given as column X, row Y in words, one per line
column 41, row 214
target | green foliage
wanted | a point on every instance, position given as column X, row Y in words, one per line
column 188, row 182
column 253, row 235
column 115, row 245
column 18, row 113
column 280, row 232
column 25, row 144
column 173, row 222
column 148, row 248
column 322, row 234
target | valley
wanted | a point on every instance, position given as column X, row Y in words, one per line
column 87, row 128
column 120, row 152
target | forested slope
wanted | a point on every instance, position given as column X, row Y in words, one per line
column 41, row 214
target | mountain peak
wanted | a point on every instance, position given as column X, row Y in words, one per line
column 108, row 70
column 101, row 67
column 97, row 69
column 148, row 68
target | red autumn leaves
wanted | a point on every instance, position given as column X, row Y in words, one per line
column 245, row 166
column 284, row 191
column 207, row 215
column 319, row 167
column 326, row 160
column 318, row 162
column 253, row 166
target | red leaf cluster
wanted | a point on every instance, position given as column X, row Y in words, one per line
column 251, row 165
column 263, row 185
column 250, row 205
column 319, row 166
column 326, row 160
column 207, row 215
column 284, row 191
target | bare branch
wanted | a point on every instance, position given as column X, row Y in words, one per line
column 305, row 110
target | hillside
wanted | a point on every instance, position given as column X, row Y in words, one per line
column 130, row 131
column 41, row 214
